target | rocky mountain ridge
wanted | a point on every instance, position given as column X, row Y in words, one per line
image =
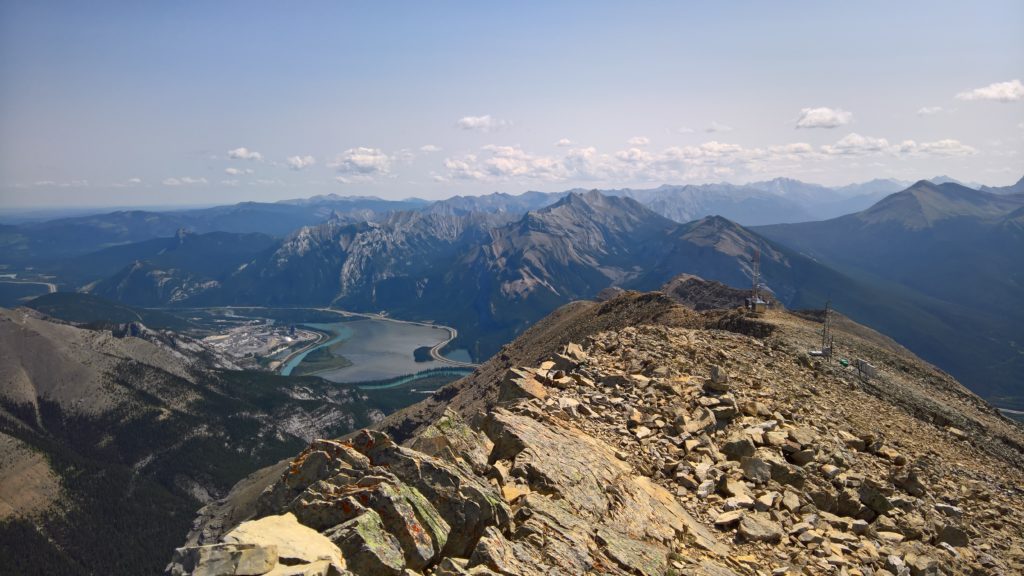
column 649, row 439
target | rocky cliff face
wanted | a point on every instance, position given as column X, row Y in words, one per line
column 657, row 444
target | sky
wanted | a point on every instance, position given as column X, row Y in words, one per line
column 118, row 103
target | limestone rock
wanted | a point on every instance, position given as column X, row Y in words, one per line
column 368, row 547
column 294, row 542
column 758, row 528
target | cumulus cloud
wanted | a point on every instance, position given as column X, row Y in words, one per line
column 856, row 145
column 184, row 181
column 638, row 141
column 497, row 163
column 300, row 162
column 1011, row 91
column 711, row 160
column 717, row 127
column 244, row 153
column 485, row 123
column 429, row 149
column 929, row 110
column 823, row 118
column 564, row 143
column 237, row 171
column 361, row 164
column 945, row 147
column 502, row 163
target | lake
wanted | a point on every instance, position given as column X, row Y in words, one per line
column 378, row 349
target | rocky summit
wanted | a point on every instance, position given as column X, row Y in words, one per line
column 658, row 441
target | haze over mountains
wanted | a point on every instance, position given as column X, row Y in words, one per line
column 780, row 200
column 935, row 266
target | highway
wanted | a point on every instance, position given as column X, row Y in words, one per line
column 49, row 285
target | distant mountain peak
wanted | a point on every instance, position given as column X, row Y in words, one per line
column 926, row 202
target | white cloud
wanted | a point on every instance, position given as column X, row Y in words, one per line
column 503, row 163
column 361, row 164
column 184, row 181
column 795, row 152
column 135, row 181
column 564, row 143
column 429, row 149
column 300, row 162
column 823, row 118
column 712, row 160
column 929, row 110
column 945, row 147
column 717, row 127
column 854, row 144
column 244, row 153
column 230, row 182
column 485, row 123
column 1011, row 91
column 237, row 171
column 684, row 130
column 638, row 141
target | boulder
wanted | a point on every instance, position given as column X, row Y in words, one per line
column 755, row 469
column 368, row 547
column 737, row 446
column 759, row 528
column 519, row 384
column 294, row 542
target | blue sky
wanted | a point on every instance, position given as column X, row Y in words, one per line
column 118, row 103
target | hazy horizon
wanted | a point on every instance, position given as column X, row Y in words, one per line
column 118, row 104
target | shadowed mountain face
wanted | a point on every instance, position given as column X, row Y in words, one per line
column 956, row 251
column 167, row 270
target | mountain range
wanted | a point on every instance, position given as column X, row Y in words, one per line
column 780, row 200
column 935, row 266
column 486, row 274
